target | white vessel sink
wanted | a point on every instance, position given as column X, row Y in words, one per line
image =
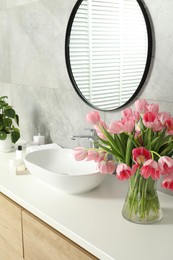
column 59, row 168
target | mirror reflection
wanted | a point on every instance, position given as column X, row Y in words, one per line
column 108, row 51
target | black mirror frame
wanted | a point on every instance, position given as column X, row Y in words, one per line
column 147, row 65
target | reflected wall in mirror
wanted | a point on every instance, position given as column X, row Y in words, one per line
column 108, row 51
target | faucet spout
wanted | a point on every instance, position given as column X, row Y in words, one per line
column 92, row 137
column 74, row 137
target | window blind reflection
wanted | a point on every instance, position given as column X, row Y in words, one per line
column 108, row 50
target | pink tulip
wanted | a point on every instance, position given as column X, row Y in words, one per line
column 168, row 182
column 103, row 124
column 140, row 155
column 166, row 165
column 150, row 120
column 92, row 155
column 93, row 117
column 134, row 168
column 141, row 106
column 163, row 116
column 169, row 126
column 123, row 171
column 136, row 116
column 95, row 155
column 99, row 127
column 150, row 168
column 107, row 167
column 101, row 156
column 127, row 125
column 100, row 133
column 115, row 127
column 127, row 112
column 80, row 153
column 153, row 108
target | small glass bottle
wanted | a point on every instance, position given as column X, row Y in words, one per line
column 19, row 153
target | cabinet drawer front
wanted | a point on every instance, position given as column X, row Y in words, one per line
column 43, row 243
column 10, row 229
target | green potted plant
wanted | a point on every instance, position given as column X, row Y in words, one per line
column 9, row 122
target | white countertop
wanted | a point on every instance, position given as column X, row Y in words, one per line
column 93, row 220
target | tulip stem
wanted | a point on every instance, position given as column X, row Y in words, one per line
column 153, row 152
column 136, row 143
column 142, row 202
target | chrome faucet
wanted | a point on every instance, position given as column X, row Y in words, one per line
column 92, row 137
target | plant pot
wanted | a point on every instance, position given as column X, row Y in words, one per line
column 142, row 202
column 6, row 145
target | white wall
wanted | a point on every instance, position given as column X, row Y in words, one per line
column 33, row 71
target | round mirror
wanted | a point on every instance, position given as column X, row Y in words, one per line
column 108, row 51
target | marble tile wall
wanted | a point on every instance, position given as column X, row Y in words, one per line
column 33, row 71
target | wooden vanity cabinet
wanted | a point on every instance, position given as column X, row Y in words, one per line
column 41, row 242
column 24, row 236
column 11, row 245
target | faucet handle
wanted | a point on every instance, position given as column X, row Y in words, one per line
column 93, row 135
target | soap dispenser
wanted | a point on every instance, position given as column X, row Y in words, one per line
column 19, row 153
column 20, row 165
column 39, row 139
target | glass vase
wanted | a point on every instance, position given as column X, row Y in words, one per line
column 142, row 203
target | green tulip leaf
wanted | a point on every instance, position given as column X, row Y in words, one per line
column 120, row 145
column 129, row 149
